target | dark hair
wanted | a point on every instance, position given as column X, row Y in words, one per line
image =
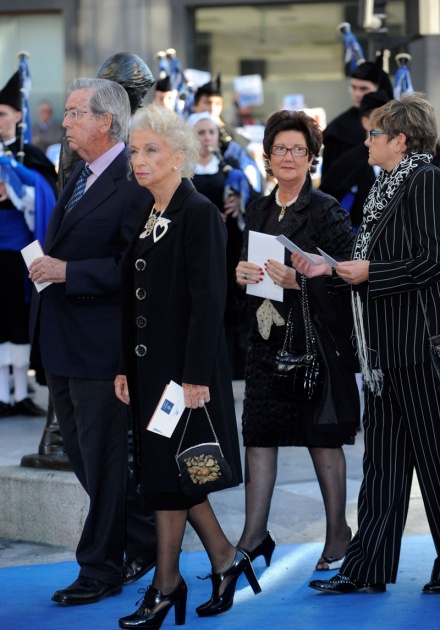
column 414, row 117
column 286, row 120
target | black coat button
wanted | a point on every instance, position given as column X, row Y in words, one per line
column 141, row 322
column 140, row 264
column 141, row 294
column 141, row 350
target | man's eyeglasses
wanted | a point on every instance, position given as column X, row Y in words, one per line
column 279, row 149
column 73, row 114
column 375, row 132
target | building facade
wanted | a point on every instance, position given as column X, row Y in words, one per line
column 294, row 45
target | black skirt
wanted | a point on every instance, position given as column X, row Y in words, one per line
column 270, row 421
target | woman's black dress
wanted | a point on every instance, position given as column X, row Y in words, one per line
column 268, row 420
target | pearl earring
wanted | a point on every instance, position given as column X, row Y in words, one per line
column 174, row 168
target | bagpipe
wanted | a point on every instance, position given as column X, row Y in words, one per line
column 402, row 78
column 13, row 174
column 354, row 54
column 169, row 66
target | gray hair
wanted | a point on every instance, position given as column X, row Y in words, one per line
column 108, row 97
column 414, row 117
column 179, row 135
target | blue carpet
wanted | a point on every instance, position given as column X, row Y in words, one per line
column 286, row 602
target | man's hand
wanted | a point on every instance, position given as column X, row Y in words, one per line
column 47, row 269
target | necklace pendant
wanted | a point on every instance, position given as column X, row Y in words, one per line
column 282, row 213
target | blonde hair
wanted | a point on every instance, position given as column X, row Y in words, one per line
column 174, row 129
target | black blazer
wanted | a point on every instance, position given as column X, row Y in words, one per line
column 400, row 265
column 76, row 324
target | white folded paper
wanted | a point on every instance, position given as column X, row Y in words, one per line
column 262, row 247
column 168, row 411
column 328, row 259
column 30, row 253
column 294, row 248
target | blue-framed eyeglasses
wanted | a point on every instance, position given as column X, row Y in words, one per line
column 375, row 132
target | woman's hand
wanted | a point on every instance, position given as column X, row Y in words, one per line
column 281, row 274
column 121, row 388
column 231, row 207
column 309, row 270
column 354, row 271
column 248, row 273
column 195, row 395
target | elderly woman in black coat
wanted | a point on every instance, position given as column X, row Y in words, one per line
column 311, row 219
column 174, row 292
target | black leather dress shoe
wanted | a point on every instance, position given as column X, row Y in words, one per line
column 5, row 410
column 85, row 591
column 341, row 585
column 433, row 587
column 135, row 568
column 27, row 407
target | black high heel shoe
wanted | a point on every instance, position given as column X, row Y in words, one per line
column 265, row 548
column 155, row 607
column 222, row 602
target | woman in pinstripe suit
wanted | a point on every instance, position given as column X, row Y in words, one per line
column 395, row 281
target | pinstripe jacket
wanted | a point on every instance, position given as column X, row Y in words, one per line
column 404, row 255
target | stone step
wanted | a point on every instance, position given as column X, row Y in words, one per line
column 42, row 506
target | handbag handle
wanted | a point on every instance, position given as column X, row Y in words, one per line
column 310, row 337
column 186, row 426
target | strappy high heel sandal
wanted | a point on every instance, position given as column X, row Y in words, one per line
column 221, row 602
column 155, row 607
column 331, row 562
column 265, row 548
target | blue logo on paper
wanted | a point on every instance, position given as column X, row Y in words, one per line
column 167, row 406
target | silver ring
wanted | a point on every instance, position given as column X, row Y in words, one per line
column 201, row 402
column 274, row 281
column 245, row 276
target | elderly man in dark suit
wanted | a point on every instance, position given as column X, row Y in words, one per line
column 395, row 281
column 75, row 322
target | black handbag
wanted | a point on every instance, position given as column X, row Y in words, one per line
column 202, row 468
column 299, row 376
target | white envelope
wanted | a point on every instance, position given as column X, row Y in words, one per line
column 168, row 411
column 262, row 247
column 30, row 253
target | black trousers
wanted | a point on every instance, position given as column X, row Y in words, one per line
column 402, row 433
column 93, row 424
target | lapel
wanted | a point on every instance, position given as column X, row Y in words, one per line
column 101, row 189
column 168, row 219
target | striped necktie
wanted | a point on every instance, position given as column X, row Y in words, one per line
column 78, row 191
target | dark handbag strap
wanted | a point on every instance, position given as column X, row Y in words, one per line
column 310, row 336
column 186, row 426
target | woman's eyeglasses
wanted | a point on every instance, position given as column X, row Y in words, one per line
column 375, row 132
column 279, row 149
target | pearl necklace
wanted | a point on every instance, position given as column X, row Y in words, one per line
column 283, row 206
